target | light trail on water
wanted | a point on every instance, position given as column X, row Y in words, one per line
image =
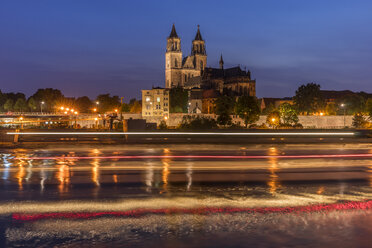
column 363, row 155
column 363, row 205
column 191, row 133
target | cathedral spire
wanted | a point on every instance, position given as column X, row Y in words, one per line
column 198, row 35
column 173, row 33
column 221, row 62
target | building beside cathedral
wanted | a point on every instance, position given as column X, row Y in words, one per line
column 191, row 72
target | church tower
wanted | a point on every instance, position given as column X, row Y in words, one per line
column 198, row 50
column 173, row 60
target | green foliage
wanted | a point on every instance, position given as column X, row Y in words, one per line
column 273, row 119
column 32, row 104
column 224, row 119
column 51, row 98
column 354, row 104
column 178, row 98
column 331, row 109
column 247, row 109
column 2, row 101
column 107, row 103
column 163, row 125
column 369, row 108
column 8, row 105
column 225, row 104
column 197, row 123
column 136, row 107
column 268, row 109
column 288, row 114
column 308, row 99
column 125, row 108
column 20, row 105
column 359, row 121
column 84, row 104
column 224, row 108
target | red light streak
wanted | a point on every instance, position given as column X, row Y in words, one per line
column 353, row 205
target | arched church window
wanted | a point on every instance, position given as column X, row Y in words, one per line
column 201, row 65
column 175, row 63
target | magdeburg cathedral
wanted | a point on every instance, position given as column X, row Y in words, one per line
column 191, row 72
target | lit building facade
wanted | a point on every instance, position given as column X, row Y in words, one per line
column 179, row 70
column 155, row 103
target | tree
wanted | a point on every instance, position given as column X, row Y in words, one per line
column 354, row 104
column 125, row 108
column 178, row 98
column 20, row 105
column 224, row 119
column 163, row 125
column 32, row 104
column 359, row 121
column 49, row 96
column 108, row 103
column 8, row 105
column 2, row 101
column 308, row 98
column 247, row 109
column 224, row 108
column 369, row 108
column 84, row 104
column 288, row 114
column 197, row 123
column 136, row 107
column 273, row 119
column 331, row 109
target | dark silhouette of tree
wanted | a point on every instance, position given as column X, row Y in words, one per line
column 136, row 107
column 107, row 103
column 359, row 121
column 308, row 99
column 178, row 98
column 51, row 98
column 32, row 104
column 84, row 104
column 247, row 109
column 369, row 108
column 8, row 105
column 224, row 108
column 20, row 105
column 353, row 104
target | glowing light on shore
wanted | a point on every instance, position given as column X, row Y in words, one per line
column 190, row 133
column 364, row 155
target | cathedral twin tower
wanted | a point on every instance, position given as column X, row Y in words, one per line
column 179, row 70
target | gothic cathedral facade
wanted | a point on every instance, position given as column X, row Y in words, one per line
column 179, row 70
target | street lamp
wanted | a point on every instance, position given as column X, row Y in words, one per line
column 41, row 106
column 21, row 119
column 343, row 106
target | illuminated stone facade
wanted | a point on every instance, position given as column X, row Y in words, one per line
column 179, row 70
column 155, row 102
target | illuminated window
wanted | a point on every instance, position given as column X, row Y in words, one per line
column 158, row 99
column 147, row 99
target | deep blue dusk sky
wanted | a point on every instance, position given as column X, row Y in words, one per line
column 94, row 46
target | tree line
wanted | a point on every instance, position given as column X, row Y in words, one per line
column 51, row 100
column 308, row 100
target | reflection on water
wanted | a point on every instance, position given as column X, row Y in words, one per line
column 63, row 176
column 157, row 175
column 20, row 175
column 273, row 181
